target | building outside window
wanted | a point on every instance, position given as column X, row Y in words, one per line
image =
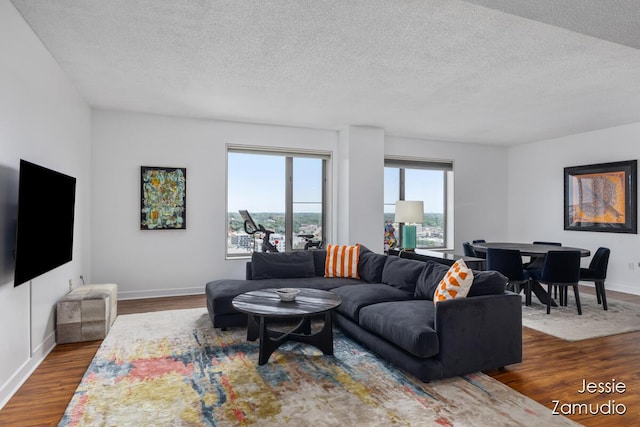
column 283, row 191
column 426, row 181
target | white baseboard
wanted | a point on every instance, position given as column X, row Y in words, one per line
column 633, row 290
column 158, row 293
column 37, row 357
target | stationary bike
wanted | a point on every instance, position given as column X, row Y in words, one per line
column 251, row 228
column 310, row 243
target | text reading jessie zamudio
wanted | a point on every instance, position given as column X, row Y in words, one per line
column 610, row 407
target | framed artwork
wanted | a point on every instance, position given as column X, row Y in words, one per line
column 163, row 198
column 601, row 197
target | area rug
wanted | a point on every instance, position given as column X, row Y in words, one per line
column 566, row 323
column 172, row 368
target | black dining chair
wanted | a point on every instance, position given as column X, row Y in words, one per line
column 597, row 272
column 468, row 249
column 562, row 269
column 478, row 253
column 536, row 263
column 509, row 263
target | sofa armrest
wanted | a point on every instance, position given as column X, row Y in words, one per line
column 479, row 333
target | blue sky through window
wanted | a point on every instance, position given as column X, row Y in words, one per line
column 256, row 182
column 420, row 184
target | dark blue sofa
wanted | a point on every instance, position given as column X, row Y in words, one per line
column 390, row 310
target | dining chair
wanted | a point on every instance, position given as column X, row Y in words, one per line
column 468, row 249
column 509, row 263
column 478, row 253
column 597, row 272
column 562, row 269
column 536, row 263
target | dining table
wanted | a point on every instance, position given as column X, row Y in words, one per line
column 533, row 250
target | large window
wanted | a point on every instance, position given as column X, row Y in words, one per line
column 417, row 180
column 284, row 192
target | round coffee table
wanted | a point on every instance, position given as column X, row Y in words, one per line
column 265, row 304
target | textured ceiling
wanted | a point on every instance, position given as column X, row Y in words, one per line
column 488, row 71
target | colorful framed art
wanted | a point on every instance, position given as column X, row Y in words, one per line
column 163, row 200
column 601, row 197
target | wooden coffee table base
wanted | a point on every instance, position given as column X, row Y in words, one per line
column 270, row 340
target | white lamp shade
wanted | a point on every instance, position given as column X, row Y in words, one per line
column 409, row 211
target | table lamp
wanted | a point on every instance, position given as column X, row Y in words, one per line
column 409, row 212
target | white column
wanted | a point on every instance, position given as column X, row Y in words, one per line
column 360, row 187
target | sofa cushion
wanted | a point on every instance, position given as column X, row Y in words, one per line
column 282, row 265
column 455, row 284
column 370, row 265
column 401, row 273
column 319, row 256
column 487, row 283
column 342, row 261
column 356, row 296
column 407, row 324
column 429, row 279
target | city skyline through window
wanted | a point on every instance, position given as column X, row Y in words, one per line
column 422, row 184
column 282, row 192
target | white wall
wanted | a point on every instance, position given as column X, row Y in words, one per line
column 480, row 184
column 536, row 194
column 43, row 120
column 169, row 262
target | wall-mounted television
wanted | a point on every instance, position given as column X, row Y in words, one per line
column 46, row 207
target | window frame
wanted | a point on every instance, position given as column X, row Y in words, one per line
column 446, row 166
column 289, row 155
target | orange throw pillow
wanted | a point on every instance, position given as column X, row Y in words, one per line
column 342, row 261
column 455, row 284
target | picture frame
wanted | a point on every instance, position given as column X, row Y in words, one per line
column 601, row 197
column 163, row 198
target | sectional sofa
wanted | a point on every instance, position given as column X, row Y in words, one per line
column 390, row 310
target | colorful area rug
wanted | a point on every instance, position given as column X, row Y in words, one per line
column 566, row 323
column 172, row 368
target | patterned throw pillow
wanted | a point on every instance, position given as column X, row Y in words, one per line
column 455, row 284
column 342, row 261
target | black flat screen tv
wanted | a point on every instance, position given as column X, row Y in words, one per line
column 46, row 207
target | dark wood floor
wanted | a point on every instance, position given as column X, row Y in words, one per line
column 552, row 369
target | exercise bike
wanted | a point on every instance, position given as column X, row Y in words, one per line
column 251, row 228
column 310, row 243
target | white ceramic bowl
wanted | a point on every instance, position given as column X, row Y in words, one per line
column 287, row 294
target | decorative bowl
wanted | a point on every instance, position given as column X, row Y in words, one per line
column 287, row 294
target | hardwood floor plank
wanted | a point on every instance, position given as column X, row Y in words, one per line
column 552, row 369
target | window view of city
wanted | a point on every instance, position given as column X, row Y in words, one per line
column 426, row 185
column 429, row 234
column 239, row 242
column 259, row 183
column 301, row 176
